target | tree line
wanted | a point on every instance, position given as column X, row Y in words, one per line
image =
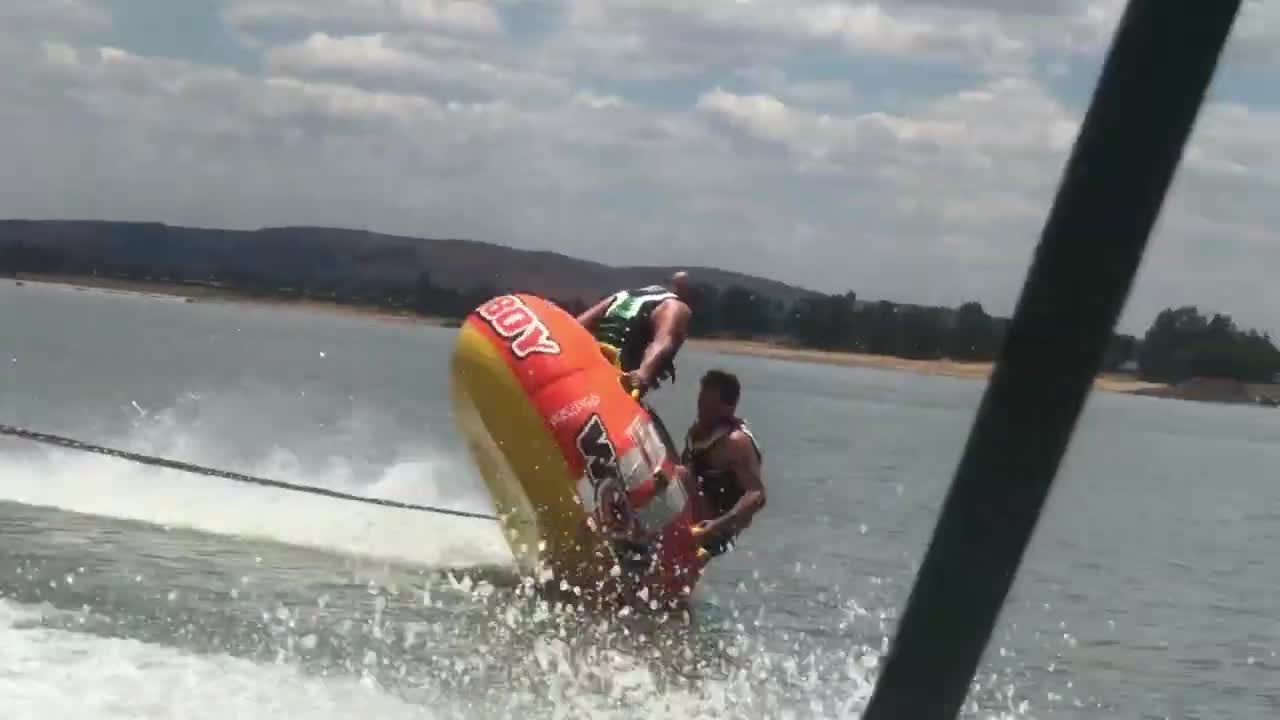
column 841, row 322
column 1181, row 343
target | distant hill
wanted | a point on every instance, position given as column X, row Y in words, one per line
column 449, row 278
column 329, row 257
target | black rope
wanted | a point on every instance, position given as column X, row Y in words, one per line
column 73, row 444
column 1153, row 81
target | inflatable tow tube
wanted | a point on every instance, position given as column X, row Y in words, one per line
column 583, row 483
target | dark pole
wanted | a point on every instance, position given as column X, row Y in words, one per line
column 1152, row 84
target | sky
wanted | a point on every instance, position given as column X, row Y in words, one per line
column 904, row 149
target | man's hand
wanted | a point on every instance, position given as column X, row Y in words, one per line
column 682, row 474
column 704, row 528
column 671, row 325
column 635, row 380
column 745, row 465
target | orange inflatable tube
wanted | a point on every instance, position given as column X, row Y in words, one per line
column 588, row 494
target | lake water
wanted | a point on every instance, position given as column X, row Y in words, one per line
column 135, row 592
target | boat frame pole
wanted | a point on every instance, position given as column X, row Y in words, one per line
column 1152, row 84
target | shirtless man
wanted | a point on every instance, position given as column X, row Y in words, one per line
column 725, row 462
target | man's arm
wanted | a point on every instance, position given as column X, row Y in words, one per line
column 592, row 315
column 671, row 326
column 745, row 463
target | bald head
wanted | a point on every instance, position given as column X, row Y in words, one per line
column 680, row 283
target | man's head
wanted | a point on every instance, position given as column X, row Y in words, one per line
column 680, row 285
column 718, row 396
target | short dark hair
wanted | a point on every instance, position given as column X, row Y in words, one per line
column 726, row 383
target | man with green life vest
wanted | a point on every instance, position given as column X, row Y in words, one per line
column 645, row 327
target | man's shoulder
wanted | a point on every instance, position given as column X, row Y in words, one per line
column 676, row 303
column 743, row 439
column 673, row 308
column 647, row 291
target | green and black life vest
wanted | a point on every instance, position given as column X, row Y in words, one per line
column 627, row 324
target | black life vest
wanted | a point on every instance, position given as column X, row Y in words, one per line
column 721, row 489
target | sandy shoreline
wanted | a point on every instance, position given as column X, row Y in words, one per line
column 208, row 294
column 1109, row 382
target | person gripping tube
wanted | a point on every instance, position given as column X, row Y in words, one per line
column 725, row 463
column 646, row 327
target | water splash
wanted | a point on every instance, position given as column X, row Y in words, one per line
column 110, row 487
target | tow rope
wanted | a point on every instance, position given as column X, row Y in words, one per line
column 73, row 444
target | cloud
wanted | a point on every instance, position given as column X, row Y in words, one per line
column 869, row 27
column 1256, row 36
column 52, row 16
column 758, row 136
column 1008, row 140
column 408, row 64
column 1007, row 134
column 770, row 80
column 217, row 146
column 998, row 36
column 467, row 17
